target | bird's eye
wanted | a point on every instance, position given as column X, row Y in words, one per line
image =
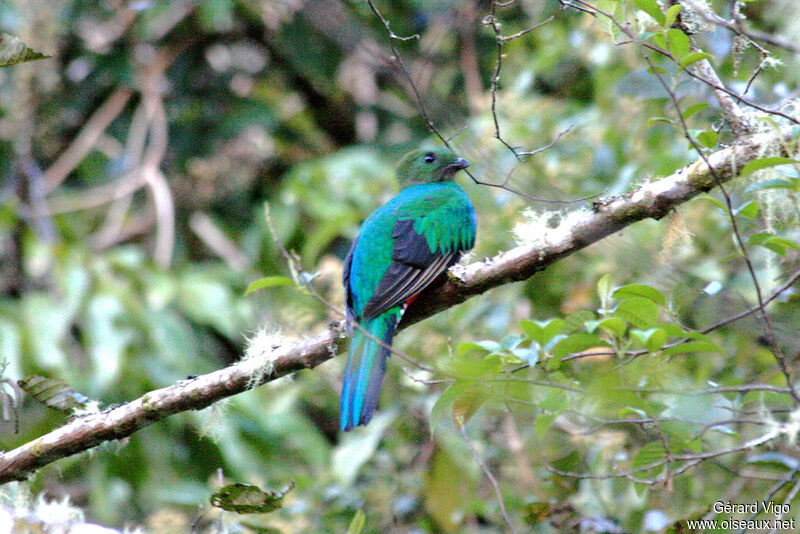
column 429, row 158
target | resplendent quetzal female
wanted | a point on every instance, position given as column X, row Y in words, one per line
column 402, row 247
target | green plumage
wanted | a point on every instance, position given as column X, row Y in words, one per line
column 402, row 247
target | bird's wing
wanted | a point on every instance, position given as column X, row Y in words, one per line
column 414, row 265
column 348, row 262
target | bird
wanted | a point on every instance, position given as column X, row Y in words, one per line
column 402, row 247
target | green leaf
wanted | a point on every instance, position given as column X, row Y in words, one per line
column 553, row 364
column 53, row 393
column 555, row 401
column 678, row 41
column 783, row 242
column 446, row 400
column 577, row 321
column 694, row 108
column 553, row 342
column 653, row 120
column 485, row 346
column 248, row 499
column 625, row 411
column 775, row 183
column 604, row 289
column 466, row 404
column 653, row 338
column 693, row 57
column 13, row 51
column 776, row 244
column 639, row 290
column 691, row 347
column 541, row 331
column 749, row 210
column 718, row 203
column 772, row 398
column 472, row 366
column 695, row 445
column 728, row 431
column 673, row 329
column 671, row 15
column 639, row 311
column 613, row 8
column 708, row 138
column 763, row 163
column 577, row 343
column 357, row 523
column 759, row 238
column 775, row 458
column 269, row 281
column 552, row 327
column 543, row 424
column 614, row 326
column 651, row 8
column 651, row 453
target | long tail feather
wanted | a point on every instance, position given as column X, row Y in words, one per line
column 366, row 366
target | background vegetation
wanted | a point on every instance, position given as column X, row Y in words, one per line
column 135, row 165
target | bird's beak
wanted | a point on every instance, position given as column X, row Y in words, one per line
column 458, row 164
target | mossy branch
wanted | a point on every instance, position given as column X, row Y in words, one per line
column 267, row 362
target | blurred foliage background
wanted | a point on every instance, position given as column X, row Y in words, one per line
column 135, row 165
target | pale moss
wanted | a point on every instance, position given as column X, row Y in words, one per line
column 549, row 228
column 20, row 511
column 678, row 242
column 260, row 351
column 92, row 407
column 459, row 270
column 213, row 417
column 771, row 63
column 693, row 22
column 776, row 206
column 792, row 427
column 56, row 511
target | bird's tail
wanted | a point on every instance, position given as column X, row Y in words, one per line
column 366, row 366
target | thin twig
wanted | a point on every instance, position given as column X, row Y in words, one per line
column 769, row 330
column 398, row 61
column 786, row 502
column 771, row 493
column 625, row 28
column 500, row 40
column 738, row 28
column 690, row 459
column 490, row 476
column 793, row 277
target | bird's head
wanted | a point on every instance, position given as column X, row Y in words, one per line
column 429, row 165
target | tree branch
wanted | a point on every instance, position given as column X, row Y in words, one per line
column 266, row 362
column 87, row 139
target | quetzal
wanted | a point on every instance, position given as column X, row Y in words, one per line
column 402, row 247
